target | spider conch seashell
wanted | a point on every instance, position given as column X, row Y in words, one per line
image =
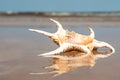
column 69, row 41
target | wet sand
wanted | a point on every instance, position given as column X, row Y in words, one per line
column 19, row 49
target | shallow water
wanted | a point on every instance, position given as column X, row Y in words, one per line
column 19, row 49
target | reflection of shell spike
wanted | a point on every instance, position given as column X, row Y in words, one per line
column 68, row 61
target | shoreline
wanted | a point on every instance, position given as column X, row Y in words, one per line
column 66, row 19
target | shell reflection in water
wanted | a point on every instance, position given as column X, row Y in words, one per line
column 68, row 61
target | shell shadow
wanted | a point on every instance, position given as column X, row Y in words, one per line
column 69, row 61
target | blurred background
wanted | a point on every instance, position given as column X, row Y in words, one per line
column 59, row 5
column 61, row 8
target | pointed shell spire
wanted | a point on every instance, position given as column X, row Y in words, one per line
column 42, row 32
column 92, row 34
column 59, row 26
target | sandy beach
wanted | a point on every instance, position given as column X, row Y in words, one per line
column 64, row 19
column 19, row 48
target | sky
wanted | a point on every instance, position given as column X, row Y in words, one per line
column 59, row 5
